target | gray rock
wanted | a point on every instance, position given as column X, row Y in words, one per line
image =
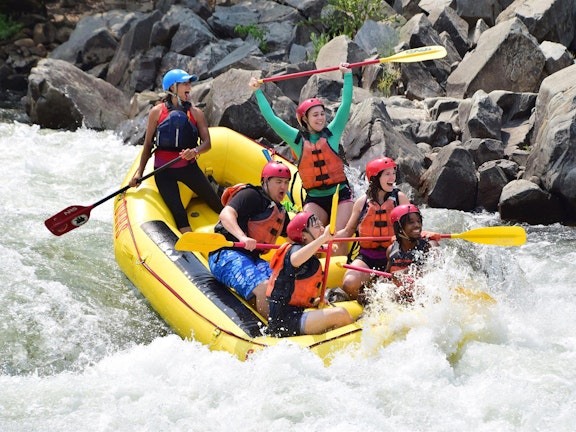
column 61, row 96
column 451, row 181
column 524, row 201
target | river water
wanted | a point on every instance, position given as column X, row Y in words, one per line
column 80, row 349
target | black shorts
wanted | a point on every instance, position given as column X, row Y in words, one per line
column 284, row 321
column 344, row 194
column 373, row 263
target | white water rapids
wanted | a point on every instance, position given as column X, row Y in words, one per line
column 80, row 349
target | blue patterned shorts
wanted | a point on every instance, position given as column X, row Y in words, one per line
column 239, row 271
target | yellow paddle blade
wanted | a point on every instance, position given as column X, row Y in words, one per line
column 334, row 209
column 417, row 55
column 202, row 242
column 499, row 235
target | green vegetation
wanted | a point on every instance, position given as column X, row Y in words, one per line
column 390, row 75
column 8, row 28
column 345, row 17
column 255, row 31
column 318, row 42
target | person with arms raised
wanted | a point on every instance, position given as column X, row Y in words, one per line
column 316, row 147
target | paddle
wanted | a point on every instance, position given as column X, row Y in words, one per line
column 364, row 270
column 74, row 216
column 409, row 56
column 497, row 236
column 208, row 242
column 333, row 212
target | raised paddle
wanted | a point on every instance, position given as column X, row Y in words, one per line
column 409, row 56
column 74, row 216
column 333, row 212
column 497, row 236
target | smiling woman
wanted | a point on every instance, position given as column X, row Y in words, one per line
column 178, row 128
column 316, row 146
column 371, row 218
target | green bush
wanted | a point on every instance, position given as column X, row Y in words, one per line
column 346, row 17
column 8, row 28
column 255, row 31
column 390, row 76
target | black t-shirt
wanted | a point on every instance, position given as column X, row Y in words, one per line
column 251, row 203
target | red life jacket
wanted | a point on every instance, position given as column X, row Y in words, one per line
column 265, row 230
column 319, row 165
column 376, row 223
column 305, row 291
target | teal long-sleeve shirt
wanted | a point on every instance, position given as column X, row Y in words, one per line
column 289, row 133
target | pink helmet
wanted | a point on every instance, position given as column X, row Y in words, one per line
column 402, row 210
column 275, row 169
column 297, row 225
column 305, row 106
column 376, row 166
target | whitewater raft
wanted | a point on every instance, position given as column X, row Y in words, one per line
column 179, row 285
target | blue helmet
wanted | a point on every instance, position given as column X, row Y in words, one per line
column 177, row 76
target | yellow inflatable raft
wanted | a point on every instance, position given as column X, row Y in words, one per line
column 179, row 285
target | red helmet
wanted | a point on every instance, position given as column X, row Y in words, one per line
column 297, row 225
column 402, row 210
column 275, row 169
column 376, row 166
column 305, row 106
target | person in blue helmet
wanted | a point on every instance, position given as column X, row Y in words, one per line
column 177, row 128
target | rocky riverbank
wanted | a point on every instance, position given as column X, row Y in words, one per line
column 486, row 127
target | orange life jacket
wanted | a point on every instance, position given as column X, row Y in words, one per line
column 306, row 290
column 265, row 229
column 376, row 222
column 319, row 165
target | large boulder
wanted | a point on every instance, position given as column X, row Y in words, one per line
column 553, row 155
column 94, row 32
column 524, row 201
column 451, row 181
column 370, row 133
column 551, row 20
column 507, row 57
column 61, row 96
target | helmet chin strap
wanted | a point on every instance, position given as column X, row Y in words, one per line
column 402, row 234
column 176, row 96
